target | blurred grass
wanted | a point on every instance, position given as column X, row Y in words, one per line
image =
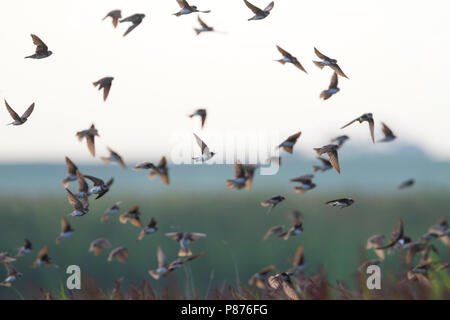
column 235, row 224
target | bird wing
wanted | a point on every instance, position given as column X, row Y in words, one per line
column 267, row 269
column 334, row 160
column 334, row 81
column 96, row 181
column 74, row 201
column 255, row 9
column 175, row 235
column 10, row 269
column 289, row 290
column 28, row 112
column 162, row 260
column 43, row 252
column 40, row 45
column 82, row 184
column 325, row 162
column 386, row 131
column 320, row 55
column 90, row 144
column 195, row 236
column 71, row 167
column 202, row 145
column 13, row 114
column 64, row 224
column 299, row 257
column 351, row 122
column 202, row 23
column 284, row 52
column 162, row 163
column 183, row 4
column 372, row 129
column 239, row 170
column 269, row 7
column 338, row 70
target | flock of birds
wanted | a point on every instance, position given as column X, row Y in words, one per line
column 244, row 174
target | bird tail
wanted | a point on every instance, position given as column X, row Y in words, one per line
column 230, row 184
column 319, row 64
column 265, row 204
column 280, row 61
column 197, row 32
column 96, row 83
column 317, row 150
column 185, row 253
column 106, row 159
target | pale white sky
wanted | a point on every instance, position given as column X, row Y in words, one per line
column 394, row 52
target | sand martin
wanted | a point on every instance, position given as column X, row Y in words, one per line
column 132, row 215
column 19, row 120
column 120, row 253
column 90, row 135
column 288, row 58
column 83, row 188
column 187, row 9
column 240, row 177
column 12, row 276
column 272, row 202
column 42, row 258
column 100, row 187
column 326, row 165
column 4, row 257
column 110, row 211
column 150, row 228
column 388, row 134
column 340, row 140
column 332, row 63
column 406, row 184
column 206, row 154
column 115, row 157
column 282, row 281
column 273, row 230
column 71, row 171
column 396, row 236
column 332, row 152
column 296, row 228
column 289, row 143
column 258, row 279
column 179, row 262
column 204, row 28
column 184, row 238
column 26, row 248
column 115, row 15
column 375, row 242
column 340, row 203
column 135, row 19
column 41, row 48
column 365, row 117
column 332, row 88
column 105, row 84
column 160, row 170
column 80, row 207
column 250, row 173
column 305, row 183
column 98, row 245
column 259, row 14
column 66, row 230
column 163, row 265
column 201, row 113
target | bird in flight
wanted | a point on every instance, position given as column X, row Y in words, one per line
column 98, row 245
column 298, row 262
column 19, row 120
column 160, row 170
column 259, row 14
column 365, row 117
column 396, row 236
column 289, row 143
column 201, row 113
column 272, row 202
column 43, row 258
column 66, row 230
column 206, row 154
column 4, row 257
column 83, row 187
column 332, row 152
column 90, row 135
column 105, row 84
column 135, row 19
column 41, row 48
column 340, row 140
column 100, row 187
column 132, row 215
column 340, row 203
column 148, row 229
column 184, row 239
column 12, row 276
column 326, row 165
column 388, row 134
column 204, row 27
column 305, row 183
column 273, row 230
column 114, row 156
column 71, row 171
column 115, row 15
column 332, row 63
column 258, row 279
column 332, row 88
column 186, row 8
column 282, row 281
column 110, row 211
column 120, row 253
column 26, row 248
column 80, row 208
column 375, row 242
column 406, row 184
column 296, row 228
column 240, row 177
column 288, row 58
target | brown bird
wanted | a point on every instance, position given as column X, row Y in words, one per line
column 365, row 117
column 341, row 203
column 114, row 156
column 163, row 265
column 148, row 229
column 105, row 84
column 98, row 245
column 160, row 170
column 100, row 188
column 201, row 113
column 289, row 143
column 110, row 211
column 90, row 135
column 340, row 140
column 305, row 183
column 288, row 58
column 135, row 20
column 184, row 239
column 66, row 230
column 115, row 15
column 388, row 134
column 26, row 248
column 296, row 228
column 273, row 230
column 259, row 278
column 42, row 258
column 250, row 173
column 186, row 8
column 326, row 61
column 120, row 253
column 259, row 13
column 272, row 202
column 396, row 236
column 332, row 88
column 298, row 262
column 13, row 275
column 71, row 171
column 80, row 208
column 19, row 120
column 41, row 48
column 204, row 27
column 283, row 281
column 326, row 165
column 240, row 177
column 132, row 215
column 332, row 152
column 374, row 242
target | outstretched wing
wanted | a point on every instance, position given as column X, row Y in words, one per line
column 28, row 112
column 284, row 52
column 269, row 7
column 13, row 114
column 334, row 81
column 202, row 145
column 202, row 23
column 255, row 9
column 40, row 45
column 320, row 55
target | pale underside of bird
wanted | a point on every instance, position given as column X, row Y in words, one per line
column 111, row 211
column 206, row 153
column 326, row 165
column 288, row 58
column 19, row 120
column 41, row 48
column 259, row 13
column 186, row 8
column 150, row 228
column 12, row 275
column 304, row 183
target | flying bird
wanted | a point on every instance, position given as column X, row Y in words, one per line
column 98, row 245
column 326, row 165
column 406, row 184
column 83, row 188
column 250, row 173
column 80, row 208
column 206, row 154
column 305, row 183
column 332, row 152
column 4, row 257
column 42, row 258
column 114, row 156
column 388, row 134
column 66, row 230
column 110, row 211
column 289, row 143
column 240, row 177
column 100, row 187
column 150, row 228
column 259, row 14
column 12, row 276
column 288, row 58
column 375, row 242
column 71, row 171
column 179, row 262
column 332, row 88
column 132, row 215
column 341, row 203
column 19, row 120
column 396, row 236
column 272, row 202
column 89, row 135
column 186, row 8
column 115, row 15
column 368, row 117
column 332, row 63
column 120, row 253
column 259, row 278
column 184, row 239
column 340, row 140
column 135, row 19
column 105, row 84
column 282, row 281
column 160, row 170
column 204, row 27
column 201, row 113
column 273, row 230
column 296, row 228
column 41, row 48
column 26, row 248
column 163, row 265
